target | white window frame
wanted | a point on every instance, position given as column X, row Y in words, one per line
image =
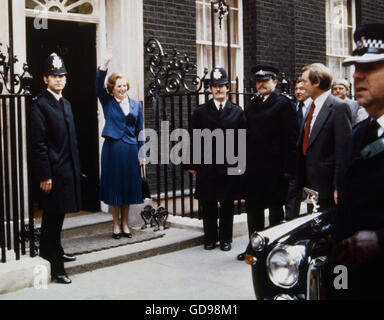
column 238, row 47
column 342, row 71
column 65, row 15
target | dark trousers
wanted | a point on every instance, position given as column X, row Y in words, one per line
column 294, row 197
column 211, row 213
column 50, row 241
column 256, row 218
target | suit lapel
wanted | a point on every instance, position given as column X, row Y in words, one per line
column 322, row 117
column 132, row 107
column 212, row 110
column 67, row 112
column 227, row 109
column 359, row 139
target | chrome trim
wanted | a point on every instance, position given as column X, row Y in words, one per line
column 262, row 244
column 283, row 229
column 313, row 278
column 295, row 253
column 284, row 296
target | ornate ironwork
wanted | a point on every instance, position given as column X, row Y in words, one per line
column 222, row 9
column 16, row 81
column 171, row 71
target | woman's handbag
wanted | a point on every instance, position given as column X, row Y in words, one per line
column 144, row 184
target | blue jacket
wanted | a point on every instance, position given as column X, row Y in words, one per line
column 117, row 124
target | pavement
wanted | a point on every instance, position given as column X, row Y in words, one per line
column 190, row 274
column 183, row 233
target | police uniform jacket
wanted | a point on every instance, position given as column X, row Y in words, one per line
column 360, row 189
column 212, row 180
column 272, row 131
column 54, row 153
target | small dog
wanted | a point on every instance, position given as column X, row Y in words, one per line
column 154, row 218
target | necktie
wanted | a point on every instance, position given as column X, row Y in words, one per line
column 307, row 129
column 299, row 112
column 372, row 134
column 221, row 108
column 61, row 102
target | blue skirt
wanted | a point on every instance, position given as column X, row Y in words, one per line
column 120, row 182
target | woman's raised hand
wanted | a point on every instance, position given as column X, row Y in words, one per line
column 108, row 55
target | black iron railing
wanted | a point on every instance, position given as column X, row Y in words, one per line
column 173, row 185
column 16, row 214
column 174, row 92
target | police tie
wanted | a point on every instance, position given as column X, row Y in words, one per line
column 299, row 112
column 307, row 128
column 372, row 133
column 61, row 102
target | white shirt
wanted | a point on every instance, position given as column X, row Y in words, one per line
column 380, row 121
column 57, row 96
column 307, row 104
column 217, row 104
column 124, row 104
column 319, row 102
column 265, row 97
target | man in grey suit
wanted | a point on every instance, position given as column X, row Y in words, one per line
column 323, row 135
column 340, row 89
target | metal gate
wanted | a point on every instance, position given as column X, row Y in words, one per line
column 175, row 91
column 16, row 214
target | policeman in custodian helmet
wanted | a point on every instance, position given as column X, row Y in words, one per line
column 55, row 164
column 54, row 65
column 214, row 184
column 219, row 76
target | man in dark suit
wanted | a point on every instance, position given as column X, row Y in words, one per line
column 55, row 164
column 323, row 135
column 359, row 226
column 272, row 131
column 340, row 89
column 215, row 184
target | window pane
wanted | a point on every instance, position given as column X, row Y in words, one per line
column 204, row 37
column 339, row 17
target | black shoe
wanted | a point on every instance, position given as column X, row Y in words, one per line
column 68, row 258
column 63, row 279
column 225, row 246
column 116, row 236
column 127, row 235
column 210, row 246
column 241, row 256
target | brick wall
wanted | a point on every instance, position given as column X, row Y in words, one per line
column 173, row 23
column 288, row 34
column 369, row 11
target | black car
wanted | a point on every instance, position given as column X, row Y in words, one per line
column 287, row 259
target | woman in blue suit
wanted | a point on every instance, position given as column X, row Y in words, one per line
column 120, row 183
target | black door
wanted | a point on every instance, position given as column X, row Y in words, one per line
column 76, row 43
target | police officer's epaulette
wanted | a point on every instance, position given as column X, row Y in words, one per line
column 36, row 97
column 255, row 97
column 288, row 96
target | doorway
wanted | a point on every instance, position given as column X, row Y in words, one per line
column 76, row 43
